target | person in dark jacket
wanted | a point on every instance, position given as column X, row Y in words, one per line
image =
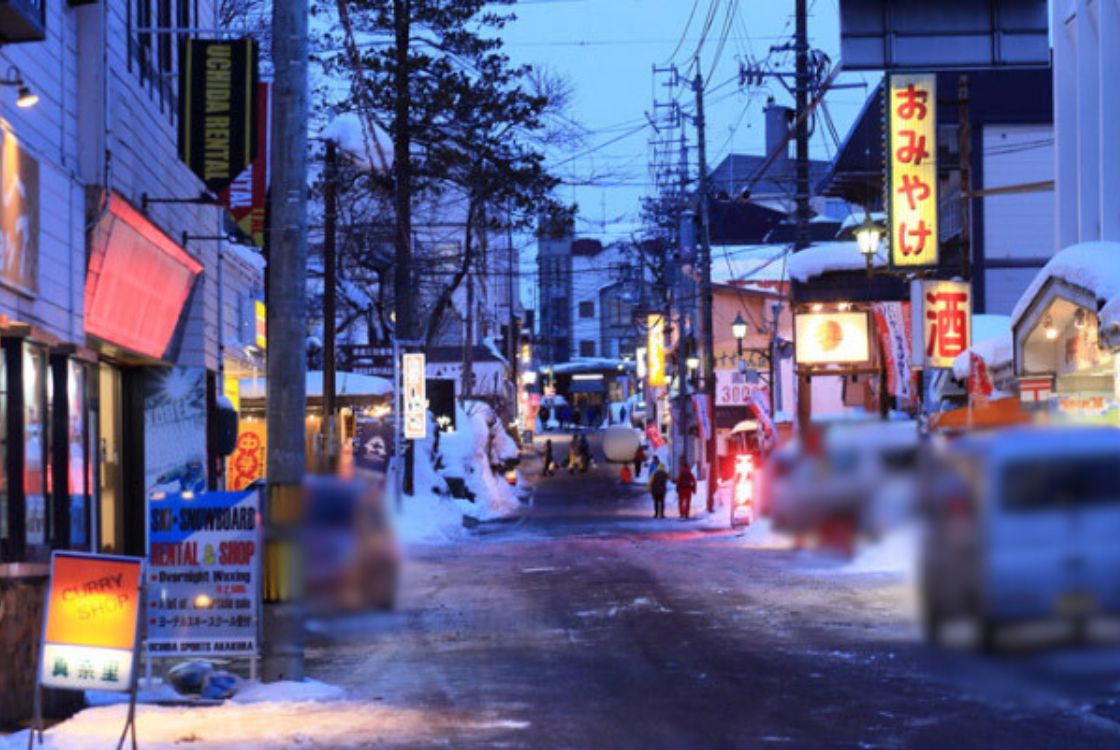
column 686, row 486
column 584, row 453
column 658, row 485
column 639, row 459
column 549, row 459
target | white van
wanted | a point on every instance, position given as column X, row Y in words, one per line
column 1023, row 525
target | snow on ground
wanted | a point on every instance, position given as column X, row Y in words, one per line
column 261, row 717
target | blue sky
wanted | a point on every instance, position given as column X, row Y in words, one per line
column 606, row 49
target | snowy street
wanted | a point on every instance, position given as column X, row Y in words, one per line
column 589, row 624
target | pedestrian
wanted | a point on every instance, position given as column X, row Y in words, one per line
column 658, row 485
column 573, row 453
column 622, row 415
column 639, row 459
column 686, row 486
column 549, row 461
column 584, row 453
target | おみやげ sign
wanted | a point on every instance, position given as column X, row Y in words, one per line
column 91, row 622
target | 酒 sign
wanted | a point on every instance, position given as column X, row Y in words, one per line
column 89, row 641
column 912, row 118
column 945, row 309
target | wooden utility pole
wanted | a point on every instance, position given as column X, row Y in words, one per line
column 801, row 166
column 707, row 335
column 330, row 194
column 282, row 646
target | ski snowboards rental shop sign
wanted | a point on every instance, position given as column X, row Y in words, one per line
column 204, row 556
column 91, row 627
column 217, row 108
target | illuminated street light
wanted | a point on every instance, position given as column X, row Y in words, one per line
column 868, row 237
column 1049, row 329
column 739, row 331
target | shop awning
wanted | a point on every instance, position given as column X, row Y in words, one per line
column 137, row 283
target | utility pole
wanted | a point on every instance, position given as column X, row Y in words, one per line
column 330, row 220
column 801, row 241
column 403, row 327
column 282, row 647
column 686, row 235
column 801, row 50
column 707, row 335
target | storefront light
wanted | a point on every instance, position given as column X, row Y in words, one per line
column 1049, row 329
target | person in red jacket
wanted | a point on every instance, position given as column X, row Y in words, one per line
column 686, row 486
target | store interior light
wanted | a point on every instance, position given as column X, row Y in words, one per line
column 817, row 307
column 1049, row 329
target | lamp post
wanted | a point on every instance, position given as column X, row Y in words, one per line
column 739, row 331
column 868, row 236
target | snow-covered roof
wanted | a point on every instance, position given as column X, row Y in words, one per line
column 350, row 133
column 1093, row 266
column 991, row 341
column 854, row 219
column 587, row 364
column 345, row 384
column 250, row 256
column 826, row 257
column 746, row 263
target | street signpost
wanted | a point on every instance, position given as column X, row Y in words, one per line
column 91, row 630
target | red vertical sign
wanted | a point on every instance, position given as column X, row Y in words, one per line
column 244, row 198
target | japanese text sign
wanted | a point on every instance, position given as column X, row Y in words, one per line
column 415, row 397
column 203, row 567
column 946, row 319
column 655, row 351
column 89, row 640
column 912, row 118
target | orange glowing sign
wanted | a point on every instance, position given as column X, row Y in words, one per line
column 89, row 639
column 655, row 351
column 912, row 114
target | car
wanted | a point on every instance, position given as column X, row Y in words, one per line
column 1021, row 525
column 843, row 476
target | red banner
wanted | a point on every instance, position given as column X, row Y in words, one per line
column 244, row 198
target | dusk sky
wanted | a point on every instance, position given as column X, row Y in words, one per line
column 606, row 49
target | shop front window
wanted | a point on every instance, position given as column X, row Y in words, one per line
column 78, row 469
column 35, row 438
column 110, row 508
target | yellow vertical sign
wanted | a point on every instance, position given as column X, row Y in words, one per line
column 655, row 350
column 912, row 118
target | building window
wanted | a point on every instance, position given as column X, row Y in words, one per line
column 587, row 309
column 586, row 348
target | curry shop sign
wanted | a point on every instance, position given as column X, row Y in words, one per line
column 91, row 622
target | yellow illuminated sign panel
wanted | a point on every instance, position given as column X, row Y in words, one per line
column 655, row 350
column 415, row 396
column 912, row 118
column 89, row 640
column 262, row 324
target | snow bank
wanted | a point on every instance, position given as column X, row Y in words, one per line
column 826, row 257
column 991, row 341
column 430, row 515
column 480, row 443
column 1093, row 266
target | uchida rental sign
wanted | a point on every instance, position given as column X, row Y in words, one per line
column 89, row 640
column 204, row 573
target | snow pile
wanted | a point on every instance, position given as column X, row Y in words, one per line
column 430, row 515
column 1093, row 266
column 473, row 451
column 895, row 553
column 991, row 341
column 827, row 257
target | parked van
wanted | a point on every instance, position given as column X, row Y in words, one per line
column 1022, row 525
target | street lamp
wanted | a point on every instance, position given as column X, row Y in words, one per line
column 739, row 331
column 25, row 97
column 868, row 236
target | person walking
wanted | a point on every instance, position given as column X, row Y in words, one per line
column 573, row 453
column 658, row 485
column 584, row 453
column 549, row 460
column 639, row 459
column 686, row 486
